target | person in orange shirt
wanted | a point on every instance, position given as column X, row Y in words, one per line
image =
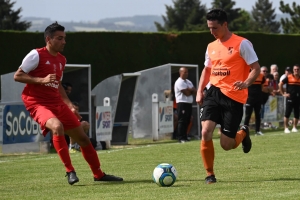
column 267, row 89
column 227, row 64
column 292, row 95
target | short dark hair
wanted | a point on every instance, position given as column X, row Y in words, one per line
column 50, row 30
column 66, row 85
column 217, row 15
column 270, row 76
column 75, row 103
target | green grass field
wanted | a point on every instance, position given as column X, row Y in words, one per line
column 269, row 171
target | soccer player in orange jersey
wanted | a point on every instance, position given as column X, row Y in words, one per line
column 227, row 64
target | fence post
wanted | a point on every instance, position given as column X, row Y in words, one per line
column 106, row 102
column 155, row 116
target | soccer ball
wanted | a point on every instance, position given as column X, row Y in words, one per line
column 164, row 175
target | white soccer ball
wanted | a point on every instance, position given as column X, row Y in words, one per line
column 164, row 175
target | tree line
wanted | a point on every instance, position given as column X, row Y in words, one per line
column 189, row 15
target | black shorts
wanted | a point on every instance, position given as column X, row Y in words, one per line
column 292, row 104
column 223, row 110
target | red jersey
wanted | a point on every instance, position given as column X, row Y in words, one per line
column 43, row 94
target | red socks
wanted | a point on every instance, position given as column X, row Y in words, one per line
column 88, row 153
column 62, row 150
column 92, row 159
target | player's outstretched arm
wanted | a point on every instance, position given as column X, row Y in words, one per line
column 22, row 77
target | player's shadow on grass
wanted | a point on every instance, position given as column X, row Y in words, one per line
column 114, row 182
column 261, row 180
column 138, row 181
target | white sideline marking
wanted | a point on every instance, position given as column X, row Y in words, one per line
column 79, row 154
column 131, row 148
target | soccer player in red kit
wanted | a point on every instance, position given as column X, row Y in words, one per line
column 46, row 100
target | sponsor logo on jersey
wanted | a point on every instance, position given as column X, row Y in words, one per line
column 54, row 85
column 220, row 72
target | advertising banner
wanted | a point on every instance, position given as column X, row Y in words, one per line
column 103, row 123
column 18, row 127
column 271, row 109
column 165, row 121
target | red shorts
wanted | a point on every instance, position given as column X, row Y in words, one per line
column 41, row 114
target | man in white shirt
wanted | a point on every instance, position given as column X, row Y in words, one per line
column 184, row 91
column 288, row 70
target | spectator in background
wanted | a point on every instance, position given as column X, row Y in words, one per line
column 254, row 103
column 264, row 70
column 175, row 122
column 270, row 84
column 275, row 83
column 273, row 68
column 288, row 70
column 73, row 146
column 266, row 90
column 292, row 95
column 68, row 88
column 175, row 115
column 184, row 91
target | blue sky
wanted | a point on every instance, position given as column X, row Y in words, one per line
column 94, row 10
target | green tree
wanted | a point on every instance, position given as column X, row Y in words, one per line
column 264, row 17
column 238, row 19
column 186, row 15
column 9, row 19
column 291, row 25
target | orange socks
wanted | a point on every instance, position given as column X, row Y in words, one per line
column 240, row 135
column 208, row 156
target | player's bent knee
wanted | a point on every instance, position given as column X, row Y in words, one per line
column 57, row 129
column 226, row 145
column 206, row 134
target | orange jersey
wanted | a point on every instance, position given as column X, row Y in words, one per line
column 293, row 86
column 228, row 66
column 256, row 87
column 259, row 80
column 267, row 83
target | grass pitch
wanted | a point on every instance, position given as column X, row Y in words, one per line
column 269, row 171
